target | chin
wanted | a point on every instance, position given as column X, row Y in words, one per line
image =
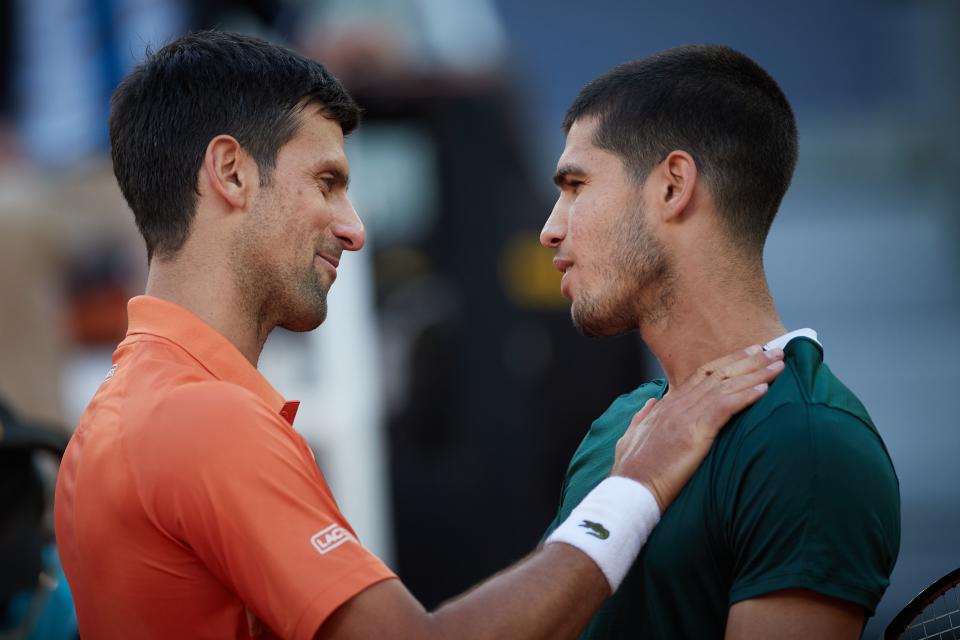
column 590, row 321
column 304, row 309
column 300, row 325
column 306, row 319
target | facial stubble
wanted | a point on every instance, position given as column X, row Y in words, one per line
column 279, row 288
column 636, row 282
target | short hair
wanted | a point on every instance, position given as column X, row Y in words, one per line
column 164, row 114
column 716, row 104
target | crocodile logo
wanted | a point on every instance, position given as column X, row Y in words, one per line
column 597, row 530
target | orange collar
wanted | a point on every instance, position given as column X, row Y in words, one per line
column 158, row 317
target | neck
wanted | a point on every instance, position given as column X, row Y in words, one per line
column 209, row 291
column 711, row 318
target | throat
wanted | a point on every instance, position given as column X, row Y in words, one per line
column 691, row 337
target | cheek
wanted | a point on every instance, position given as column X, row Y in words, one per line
column 590, row 227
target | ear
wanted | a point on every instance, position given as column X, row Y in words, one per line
column 676, row 180
column 231, row 173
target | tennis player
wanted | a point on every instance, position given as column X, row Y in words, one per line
column 673, row 170
column 186, row 505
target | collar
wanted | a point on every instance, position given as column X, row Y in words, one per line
column 157, row 317
column 781, row 342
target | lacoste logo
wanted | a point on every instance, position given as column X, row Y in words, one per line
column 330, row 538
column 597, row 530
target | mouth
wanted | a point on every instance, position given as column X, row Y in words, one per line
column 564, row 267
column 331, row 262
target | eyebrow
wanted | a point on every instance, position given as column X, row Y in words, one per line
column 565, row 171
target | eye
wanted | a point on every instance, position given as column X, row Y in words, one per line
column 326, row 183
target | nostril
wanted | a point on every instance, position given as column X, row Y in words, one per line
column 354, row 240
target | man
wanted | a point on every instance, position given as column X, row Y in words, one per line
column 186, row 504
column 673, row 170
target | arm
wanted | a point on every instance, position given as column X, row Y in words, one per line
column 554, row 592
column 814, row 526
column 551, row 594
column 794, row 614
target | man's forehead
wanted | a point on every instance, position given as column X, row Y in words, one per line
column 321, row 139
column 580, row 150
column 321, row 130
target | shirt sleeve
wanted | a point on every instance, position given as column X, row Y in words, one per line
column 227, row 477
column 812, row 503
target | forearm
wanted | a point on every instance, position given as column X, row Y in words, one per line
column 550, row 594
column 553, row 593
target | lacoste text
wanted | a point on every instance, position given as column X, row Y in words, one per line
column 330, row 538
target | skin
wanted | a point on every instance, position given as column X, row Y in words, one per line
column 691, row 291
column 260, row 256
column 555, row 591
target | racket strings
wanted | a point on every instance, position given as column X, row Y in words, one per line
column 940, row 620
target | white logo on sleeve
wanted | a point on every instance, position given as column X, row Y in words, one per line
column 330, row 538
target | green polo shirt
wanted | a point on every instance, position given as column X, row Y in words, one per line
column 798, row 492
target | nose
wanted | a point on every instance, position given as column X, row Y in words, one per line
column 349, row 229
column 555, row 228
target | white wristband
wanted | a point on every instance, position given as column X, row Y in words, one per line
column 610, row 525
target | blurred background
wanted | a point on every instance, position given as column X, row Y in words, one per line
column 448, row 389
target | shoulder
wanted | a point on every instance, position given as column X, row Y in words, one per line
column 822, row 467
column 810, row 416
column 621, row 411
column 809, row 439
column 211, row 399
column 798, row 441
column 204, row 425
column 597, row 447
column 210, row 407
column 810, row 500
column 593, row 458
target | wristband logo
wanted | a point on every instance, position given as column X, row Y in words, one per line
column 330, row 538
column 596, row 529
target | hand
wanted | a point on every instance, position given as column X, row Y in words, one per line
column 668, row 439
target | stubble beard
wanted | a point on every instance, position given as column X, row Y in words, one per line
column 285, row 294
column 637, row 284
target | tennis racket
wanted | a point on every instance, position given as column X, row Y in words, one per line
column 933, row 615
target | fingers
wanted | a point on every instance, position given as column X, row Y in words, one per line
column 732, row 368
column 707, row 370
column 731, row 396
column 744, row 380
column 668, row 439
column 644, row 411
column 750, row 363
column 636, row 430
column 717, row 414
column 736, row 363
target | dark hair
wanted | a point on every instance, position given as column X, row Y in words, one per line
column 717, row 105
column 164, row 114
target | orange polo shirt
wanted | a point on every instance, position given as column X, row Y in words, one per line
column 186, row 504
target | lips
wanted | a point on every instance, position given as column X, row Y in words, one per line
column 331, row 261
column 335, row 262
column 562, row 264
